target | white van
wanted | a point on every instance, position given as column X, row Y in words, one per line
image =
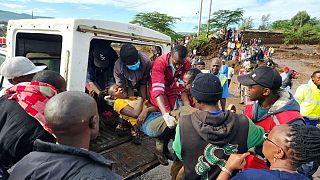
column 63, row 45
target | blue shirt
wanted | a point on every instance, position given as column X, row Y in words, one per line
column 263, row 174
column 225, row 89
column 224, row 70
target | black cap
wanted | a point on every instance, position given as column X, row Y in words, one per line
column 128, row 54
column 265, row 76
column 102, row 56
column 206, row 87
column 200, row 62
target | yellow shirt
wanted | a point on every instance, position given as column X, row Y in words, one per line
column 119, row 104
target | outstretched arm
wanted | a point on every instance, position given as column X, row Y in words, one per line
column 235, row 161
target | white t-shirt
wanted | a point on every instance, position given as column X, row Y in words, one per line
column 283, row 76
column 230, row 72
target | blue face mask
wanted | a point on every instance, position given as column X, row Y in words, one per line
column 134, row 67
column 172, row 66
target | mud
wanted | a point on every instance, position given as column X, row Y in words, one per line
column 304, row 59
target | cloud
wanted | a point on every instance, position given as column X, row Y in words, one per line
column 19, row 1
column 13, row 6
column 84, row 7
column 187, row 9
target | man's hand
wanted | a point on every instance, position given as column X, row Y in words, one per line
column 170, row 120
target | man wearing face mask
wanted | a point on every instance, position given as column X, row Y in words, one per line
column 132, row 71
column 308, row 97
column 166, row 81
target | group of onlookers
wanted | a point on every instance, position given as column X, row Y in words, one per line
column 166, row 99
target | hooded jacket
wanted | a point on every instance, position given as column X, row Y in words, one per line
column 284, row 111
column 206, row 141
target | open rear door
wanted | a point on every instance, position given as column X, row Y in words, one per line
column 131, row 160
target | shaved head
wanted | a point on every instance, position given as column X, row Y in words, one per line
column 72, row 113
column 51, row 77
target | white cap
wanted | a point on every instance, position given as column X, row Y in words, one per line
column 18, row 66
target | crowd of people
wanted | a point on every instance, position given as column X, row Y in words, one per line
column 169, row 99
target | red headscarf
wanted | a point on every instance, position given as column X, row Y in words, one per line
column 32, row 97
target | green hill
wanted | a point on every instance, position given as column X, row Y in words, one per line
column 7, row 15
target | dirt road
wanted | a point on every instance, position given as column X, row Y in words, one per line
column 304, row 59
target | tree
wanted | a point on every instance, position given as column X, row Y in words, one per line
column 314, row 21
column 225, row 18
column 158, row 22
column 265, row 25
column 281, row 25
column 247, row 23
column 300, row 19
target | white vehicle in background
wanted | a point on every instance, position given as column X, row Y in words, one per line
column 3, row 81
column 63, row 45
column 3, row 53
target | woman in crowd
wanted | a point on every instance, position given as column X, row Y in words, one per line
column 286, row 147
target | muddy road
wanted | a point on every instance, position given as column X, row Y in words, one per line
column 305, row 59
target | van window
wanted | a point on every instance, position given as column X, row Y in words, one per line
column 2, row 58
column 42, row 49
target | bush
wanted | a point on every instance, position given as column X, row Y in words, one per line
column 199, row 41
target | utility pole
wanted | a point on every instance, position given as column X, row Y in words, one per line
column 32, row 14
column 200, row 12
column 209, row 18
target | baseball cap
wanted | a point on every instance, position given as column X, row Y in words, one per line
column 200, row 62
column 286, row 69
column 206, row 87
column 19, row 66
column 265, row 76
column 101, row 56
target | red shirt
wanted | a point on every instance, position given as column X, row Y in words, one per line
column 164, row 81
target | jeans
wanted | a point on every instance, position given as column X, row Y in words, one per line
column 154, row 125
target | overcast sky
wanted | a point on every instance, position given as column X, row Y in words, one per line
column 124, row 10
